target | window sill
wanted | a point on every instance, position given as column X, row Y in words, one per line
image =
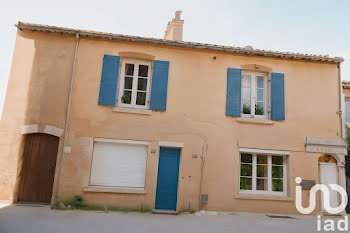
column 263, row 197
column 255, row 121
column 103, row 189
column 133, row 110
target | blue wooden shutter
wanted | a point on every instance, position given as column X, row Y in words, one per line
column 159, row 85
column 277, row 96
column 233, row 95
column 109, row 80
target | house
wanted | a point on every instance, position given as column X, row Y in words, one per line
column 346, row 92
column 131, row 121
column 346, row 115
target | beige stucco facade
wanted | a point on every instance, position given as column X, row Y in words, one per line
column 38, row 92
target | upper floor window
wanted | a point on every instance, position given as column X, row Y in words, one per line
column 347, row 109
column 135, row 82
column 254, row 93
column 263, row 173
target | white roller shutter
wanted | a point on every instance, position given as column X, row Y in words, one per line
column 118, row 165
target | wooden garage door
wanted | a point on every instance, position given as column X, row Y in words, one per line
column 38, row 168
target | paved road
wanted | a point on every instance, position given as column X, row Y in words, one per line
column 24, row 219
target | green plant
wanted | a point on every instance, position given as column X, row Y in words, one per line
column 347, row 138
column 56, row 206
column 246, row 109
column 245, row 184
column 259, row 110
column 91, row 208
column 190, row 211
column 185, row 210
column 246, row 170
column 78, row 201
column 80, row 206
column 145, row 209
column 277, row 185
column 126, row 99
column 141, row 98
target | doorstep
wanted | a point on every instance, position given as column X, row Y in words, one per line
column 167, row 212
column 32, row 204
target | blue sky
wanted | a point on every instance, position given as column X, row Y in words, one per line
column 307, row 26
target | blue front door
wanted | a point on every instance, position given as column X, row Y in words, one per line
column 168, row 174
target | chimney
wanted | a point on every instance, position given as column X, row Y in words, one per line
column 174, row 29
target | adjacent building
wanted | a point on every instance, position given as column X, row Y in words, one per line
column 167, row 124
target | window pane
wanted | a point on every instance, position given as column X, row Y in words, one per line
column 261, row 170
column 259, row 108
column 246, row 170
column 128, row 83
column 246, row 107
column 142, row 84
column 143, row 71
column 260, row 94
column 129, row 69
column 277, row 171
column 277, row 185
column 126, row 98
column 141, row 98
column 261, row 184
column 260, row 82
column 246, row 81
column 277, row 160
column 261, row 159
column 246, row 158
column 347, row 110
column 246, row 93
column 245, row 183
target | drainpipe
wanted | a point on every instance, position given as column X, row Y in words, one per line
column 342, row 124
column 67, row 116
column 204, row 150
column 201, row 204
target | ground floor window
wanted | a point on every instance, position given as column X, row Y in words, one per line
column 118, row 164
column 263, row 173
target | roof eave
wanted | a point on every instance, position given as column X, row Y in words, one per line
column 181, row 44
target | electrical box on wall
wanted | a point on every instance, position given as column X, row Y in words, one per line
column 204, row 198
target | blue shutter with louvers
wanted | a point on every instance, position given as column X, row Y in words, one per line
column 277, row 96
column 233, row 95
column 109, row 80
column 159, row 85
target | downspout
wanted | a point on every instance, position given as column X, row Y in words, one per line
column 204, row 150
column 67, row 116
column 201, row 204
column 342, row 124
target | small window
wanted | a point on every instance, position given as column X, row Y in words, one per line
column 254, row 95
column 262, row 173
column 134, row 88
column 347, row 109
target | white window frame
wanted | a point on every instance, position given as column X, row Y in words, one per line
column 253, row 94
column 133, row 104
column 347, row 109
column 269, row 153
